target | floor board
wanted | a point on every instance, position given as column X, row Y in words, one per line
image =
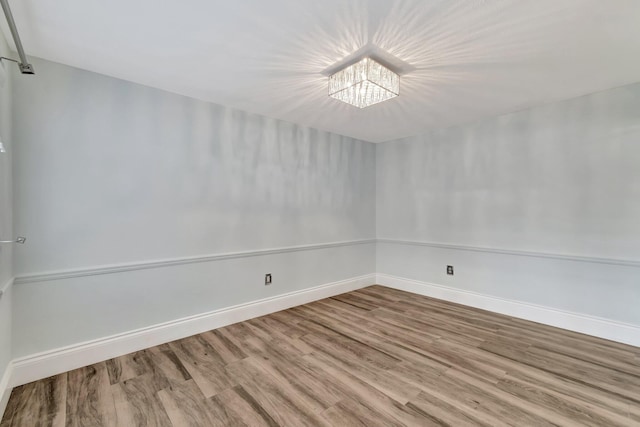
column 375, row 356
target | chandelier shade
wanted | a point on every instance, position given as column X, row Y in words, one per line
column 364, row 83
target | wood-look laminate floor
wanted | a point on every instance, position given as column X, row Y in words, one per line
column 373, row 357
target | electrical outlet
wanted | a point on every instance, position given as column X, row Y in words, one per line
column 450, row 270
column 267, row 279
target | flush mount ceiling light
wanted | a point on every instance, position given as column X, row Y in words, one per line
column 364, row 83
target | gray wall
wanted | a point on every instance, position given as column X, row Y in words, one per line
column 6, row 214
column 562, row 178
column 110, row 172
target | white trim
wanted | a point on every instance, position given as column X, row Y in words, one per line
column 579, row 258
column 118, row 268
column 53, row 362
column 5, row 390
column 6, row 286
column 585, row 324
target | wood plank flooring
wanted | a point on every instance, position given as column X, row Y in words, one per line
column 373, row 357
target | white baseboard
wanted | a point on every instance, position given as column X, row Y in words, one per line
column 585, row 324
column 5, row 389
column 53, row 362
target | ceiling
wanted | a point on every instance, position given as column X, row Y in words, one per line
column 460, row 61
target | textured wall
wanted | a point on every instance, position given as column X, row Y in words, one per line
column 110, row 172
column 562, row 178
column 6, row 214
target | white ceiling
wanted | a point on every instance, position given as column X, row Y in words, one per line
column 462, row 60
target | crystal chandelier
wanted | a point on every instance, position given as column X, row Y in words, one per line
column 364, row 83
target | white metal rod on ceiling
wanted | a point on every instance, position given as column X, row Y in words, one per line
column 25, row 67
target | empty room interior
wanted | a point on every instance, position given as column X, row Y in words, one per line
column 327, row 213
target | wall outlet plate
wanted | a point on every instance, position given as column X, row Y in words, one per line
column 267, row 279
column 450, row 270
